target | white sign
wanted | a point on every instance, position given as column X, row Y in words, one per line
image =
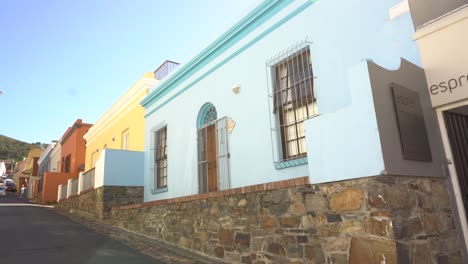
column 453, row 89
column 445, row 58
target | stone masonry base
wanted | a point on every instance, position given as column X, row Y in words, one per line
column 382, row 219
column 97, row 203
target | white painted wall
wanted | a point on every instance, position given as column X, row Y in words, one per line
column 2, row 168
column 55, row 157
column 123, row 168
column 443, row 52
column 99, row 169
column 445, row 66
column 346, row 142
column 342, row 37
column 119, row 168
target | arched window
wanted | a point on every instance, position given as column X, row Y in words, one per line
column 207, row 115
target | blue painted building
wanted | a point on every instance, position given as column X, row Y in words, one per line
column 295, row 88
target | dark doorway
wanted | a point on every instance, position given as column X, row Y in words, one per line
column 457, row 130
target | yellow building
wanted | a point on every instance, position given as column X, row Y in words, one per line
column 31, row 160
column 31, row 170
column 122, row 126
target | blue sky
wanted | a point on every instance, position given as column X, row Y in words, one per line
column 61, row 60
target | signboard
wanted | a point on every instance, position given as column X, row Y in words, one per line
column 448, row 90
column 411, row 125
column 443, row 53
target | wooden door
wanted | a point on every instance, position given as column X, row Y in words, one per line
column 211, row 159
column 207, row 160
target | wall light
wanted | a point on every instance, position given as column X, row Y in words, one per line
column 236, row 88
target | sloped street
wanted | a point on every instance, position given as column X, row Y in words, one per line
column 38, row 234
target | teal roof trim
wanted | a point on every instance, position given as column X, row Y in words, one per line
column 250, row 22
column 227, row 59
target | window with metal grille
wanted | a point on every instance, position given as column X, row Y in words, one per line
column 293, row 101
column 160, row 157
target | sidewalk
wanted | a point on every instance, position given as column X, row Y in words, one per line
column 157, row 249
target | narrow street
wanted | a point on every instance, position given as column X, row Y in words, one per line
column 39, row 234
column 33, row 234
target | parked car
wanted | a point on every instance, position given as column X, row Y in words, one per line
column 10, row 186
column 2, row 191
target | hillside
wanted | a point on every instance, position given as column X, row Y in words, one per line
column 11, row 148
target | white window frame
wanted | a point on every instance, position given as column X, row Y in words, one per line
column 125, row 139
column 93, row 159
column 153, row 176
column 278, row 129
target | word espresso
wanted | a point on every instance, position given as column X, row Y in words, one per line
column 449, row 86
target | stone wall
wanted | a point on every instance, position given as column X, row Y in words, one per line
column 383, row 219
column 97, row 203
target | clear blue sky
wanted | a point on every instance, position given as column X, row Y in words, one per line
column 61, row 60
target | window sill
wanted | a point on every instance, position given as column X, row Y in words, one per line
column 155, row 191
column 290, row 163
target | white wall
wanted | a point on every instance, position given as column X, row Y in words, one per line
column 347, row 142
column 123, row 168
column 55, row 157
column 119, row 168
column 445, row 65
column 99, row 170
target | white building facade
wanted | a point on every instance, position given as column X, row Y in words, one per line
column 441, row 34
column 257, row 104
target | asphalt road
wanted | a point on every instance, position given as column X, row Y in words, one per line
column 33, row 234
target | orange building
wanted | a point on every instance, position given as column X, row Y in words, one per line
column 74, row 147
column 51, row 182
column 72, row 160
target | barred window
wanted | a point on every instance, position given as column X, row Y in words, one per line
column 293, row 99
column 161, row 158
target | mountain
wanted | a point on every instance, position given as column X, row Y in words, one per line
column 11, row 148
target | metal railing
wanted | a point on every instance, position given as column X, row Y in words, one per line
column 88, row 180
column 74, row 186
column 292, row 100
